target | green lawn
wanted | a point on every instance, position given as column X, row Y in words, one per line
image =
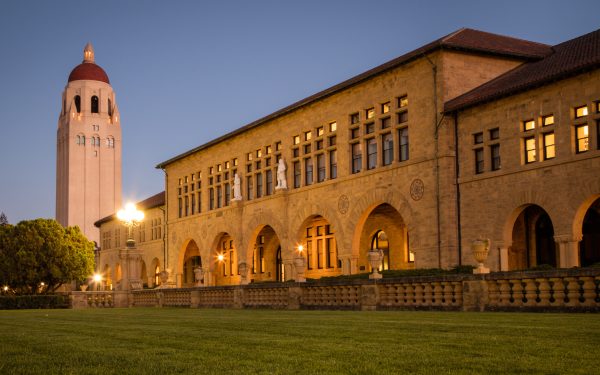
column 171, row 341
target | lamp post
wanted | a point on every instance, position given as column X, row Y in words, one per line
column 131, row 256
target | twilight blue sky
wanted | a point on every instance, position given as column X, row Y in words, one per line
column 186, row 72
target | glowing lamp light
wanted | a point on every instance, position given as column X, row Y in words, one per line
column 221, row 257
column 130, row 214
column 5, row 288
column 300, row 249
column 97, row 278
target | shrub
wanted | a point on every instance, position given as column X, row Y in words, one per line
column 51, row 301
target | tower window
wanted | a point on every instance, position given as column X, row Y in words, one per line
column 78, row 103
column 94, row 104
column 109, row 107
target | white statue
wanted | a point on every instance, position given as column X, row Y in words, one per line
column 237, row 193
column 281, row 181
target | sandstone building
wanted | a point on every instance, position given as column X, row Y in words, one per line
column 88, row 161
column 474, row 135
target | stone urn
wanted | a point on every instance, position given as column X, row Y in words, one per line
column 83, row 287
column 299, row 265
column 164, row 277
column 199, row 275
column 243, row 268
column 481, row 250
column 375, row 257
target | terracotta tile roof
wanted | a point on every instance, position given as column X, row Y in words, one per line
column 567, row 59
column 154, row 201
column 463, row 39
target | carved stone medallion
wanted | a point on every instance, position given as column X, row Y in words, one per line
column 343, row 204
column 416, row 189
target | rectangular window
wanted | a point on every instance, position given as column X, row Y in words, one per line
column 307, row 136
column 261, row 259
column 402, row 117
column 403, row 136
column 528, row 125
column 269, row 177
column 258, row 165
column 308, row 171
column 370, row 113
column 332, row 140
column 199, row 202
column 581, row 111
column 278, row 147
column 307, row 149
column 354, row 133
column 320, row 167
column 403, row 101
column 371, row 153
column 227, row 194
column 549, row 148
column 333, row 164
column 296, row 152
column 388, row 148
column 309, row 255
column 548, row 120
column 385, row 107
column 354, row 119
column 268, row 150
column 180, row 208
column 495, row 152
column 330, row 251
column 319, row 144
column 369, row 128
column 319, row 253
column 479, row 161
column 356, row 158
column 219, row 197
column 297, row 174
column 332, row 126
column 259, row 153
column 320, row 131
column 259, row 185
column 582, row 134
column 193, row 205
column 231, row 271
column 385, row 123
column 211, row 199
column 530, row 154
column 249, row 186
column 477, row 138
column 494, row 134
column 296, row 139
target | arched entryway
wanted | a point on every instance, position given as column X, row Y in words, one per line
column 118, row 277
column 589, row 247
column 383, row 228
column 317, row 237
column 107, row 283
column 533, row 241
column 144, row 274
column 191, row 260
column 265, row 262
column 154, row 280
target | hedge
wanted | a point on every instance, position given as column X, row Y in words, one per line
column 51, row 301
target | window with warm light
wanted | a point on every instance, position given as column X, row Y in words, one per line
column 296, row 139
column 581, row 111
column 528, row 125
column 333, row 126
column 582, row 138
column 385, row 107
column 370, row 113
column 530, row 150
column 403, row 101
column 548, row 120
column 320, row 131
column 549, row 148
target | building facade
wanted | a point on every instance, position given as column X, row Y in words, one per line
column 88, row 160
column 418, row 157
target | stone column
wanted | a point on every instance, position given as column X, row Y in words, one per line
column 568, row 251
column 502, row 256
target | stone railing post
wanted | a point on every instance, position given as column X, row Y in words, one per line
column 475, row 295
column 195, row 298
column 238, row 298
column 369, row 297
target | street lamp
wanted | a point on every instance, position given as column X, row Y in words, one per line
column 130, row 217
column 97, row 280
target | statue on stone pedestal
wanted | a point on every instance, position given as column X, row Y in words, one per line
column 237, row 193
column 281, row 181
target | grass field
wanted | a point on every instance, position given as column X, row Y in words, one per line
column 191, row 341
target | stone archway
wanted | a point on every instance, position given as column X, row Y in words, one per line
column 532, row 239
column 107, row 280
column 223, row 266
column 154, row 280
column 264, row 256
column 191, row 259
column 381, row 226
column 589, row 247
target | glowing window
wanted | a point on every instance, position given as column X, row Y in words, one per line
column 528, row 125
column 385, row 107
column 581, row 111
column 370, row 113
column 548, row 120
column 549, row 148
column 582, row 134
column 530, row 151
column 403, row 101
column 333, row 126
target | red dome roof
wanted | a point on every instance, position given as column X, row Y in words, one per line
column 88, row 70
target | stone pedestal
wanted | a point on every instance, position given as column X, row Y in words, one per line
column 131, row 258
column 300, row 265
column 243, row 268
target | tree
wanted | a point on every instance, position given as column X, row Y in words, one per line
column 3, row 219
column 42, row 251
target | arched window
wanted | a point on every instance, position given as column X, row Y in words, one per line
column 78, row 103
column 279, row 268
column 380, row 241
column 110, row 142
column 94, row 104
column 109, row 108
column 80, row 140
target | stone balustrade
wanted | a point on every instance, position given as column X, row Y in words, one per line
column 556, row 290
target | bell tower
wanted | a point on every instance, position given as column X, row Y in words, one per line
column 88, row 149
